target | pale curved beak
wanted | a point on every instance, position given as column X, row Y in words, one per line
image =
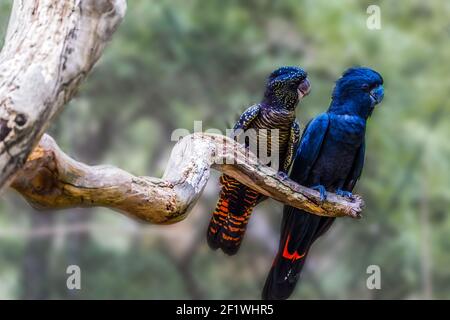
column 304, row 88
column 377, row 94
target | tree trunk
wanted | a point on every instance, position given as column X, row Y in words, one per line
column 50, row 46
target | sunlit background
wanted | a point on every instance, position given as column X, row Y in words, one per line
column 173, row 62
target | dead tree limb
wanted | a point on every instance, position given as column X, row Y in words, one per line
column 50, row 179
column 50, row 46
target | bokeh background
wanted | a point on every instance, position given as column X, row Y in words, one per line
column 173, row 62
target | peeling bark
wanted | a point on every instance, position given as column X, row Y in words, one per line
column 51, row 179
column 50, row 46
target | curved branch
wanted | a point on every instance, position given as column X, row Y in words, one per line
column 51, row 179
column 51, row 45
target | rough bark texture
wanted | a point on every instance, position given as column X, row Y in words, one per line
column 50, row 46
column 51, row 179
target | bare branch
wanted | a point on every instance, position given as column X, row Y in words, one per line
column 51, row 45
column 51, row 179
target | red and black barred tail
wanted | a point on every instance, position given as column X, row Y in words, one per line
column 218, row 220
column 230, row 218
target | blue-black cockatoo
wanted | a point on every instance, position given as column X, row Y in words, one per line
column 330, row 158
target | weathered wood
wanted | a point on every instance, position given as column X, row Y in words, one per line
column 51, row 179
column 50, row 46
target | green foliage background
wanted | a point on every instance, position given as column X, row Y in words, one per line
column 173, row 62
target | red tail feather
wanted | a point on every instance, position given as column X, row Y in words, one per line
column 229, row 221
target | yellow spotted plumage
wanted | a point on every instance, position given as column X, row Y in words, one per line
column 236, row 201
column 276, row 112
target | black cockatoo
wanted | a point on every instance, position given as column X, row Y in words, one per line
column 330, row 158
column 285, row 87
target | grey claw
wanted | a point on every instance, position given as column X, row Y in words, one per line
column 283, row 176
column 322, row 191
column 345, row 194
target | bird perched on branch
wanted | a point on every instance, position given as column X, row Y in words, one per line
column 330, row 158
column 285, row 87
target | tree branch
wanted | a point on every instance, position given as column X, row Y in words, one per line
column 50, row 179
column 50, row 46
